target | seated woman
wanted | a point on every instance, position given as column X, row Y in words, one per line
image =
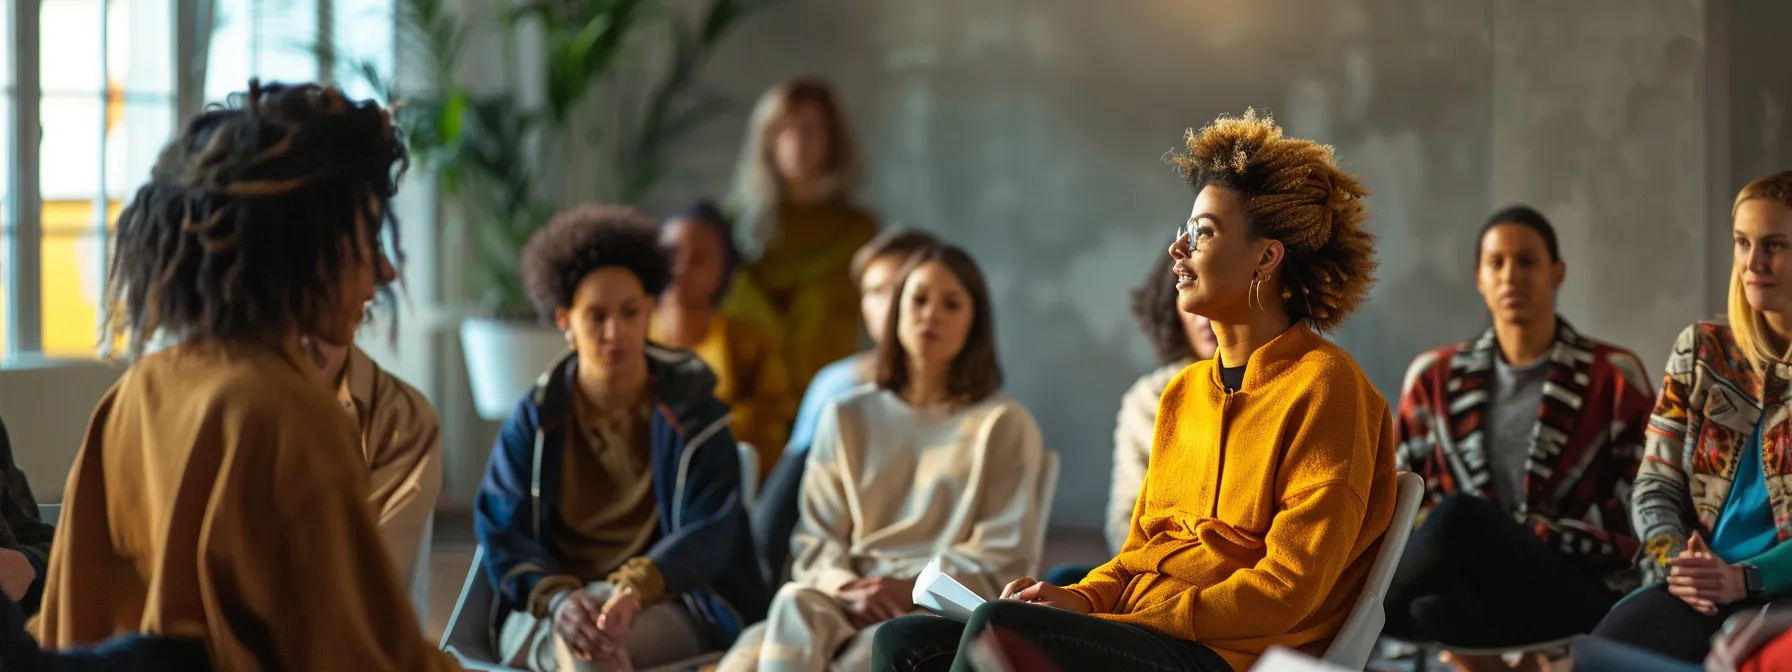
column 220, row 498
column 931, row 461
column 875, row 268
column 747, row 361
column 1528, row 437
column 1716, row 452
column 611, row 509
column 24, row 537
column 1271, row 477
column 1180, row 339
column 402, row 443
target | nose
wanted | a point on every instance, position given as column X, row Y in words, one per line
column 1759, row 261
column 383, row 271
column 1179, row 248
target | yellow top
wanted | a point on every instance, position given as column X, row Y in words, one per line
column 751, row 379
column 1261, row 509
column 802, row 289
column 221, row 495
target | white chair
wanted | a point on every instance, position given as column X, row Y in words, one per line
column 749, row 473
column 1048, row 488
column 49, row 513
column 1356, row 640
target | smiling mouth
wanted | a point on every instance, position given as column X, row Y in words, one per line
column 1184, row 278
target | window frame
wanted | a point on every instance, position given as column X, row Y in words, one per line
column 21, row 249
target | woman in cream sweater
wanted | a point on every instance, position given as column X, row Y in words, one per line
column 1271, row 476
column 929, row 461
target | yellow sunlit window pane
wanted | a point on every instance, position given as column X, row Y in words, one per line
column 73, row 278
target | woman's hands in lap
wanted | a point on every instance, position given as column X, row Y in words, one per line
column 1703, row 580
column 1033, row 591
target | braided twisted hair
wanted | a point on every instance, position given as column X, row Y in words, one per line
column 250, row 217
column 1295, row 193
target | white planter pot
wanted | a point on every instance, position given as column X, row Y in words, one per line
column 503, row 359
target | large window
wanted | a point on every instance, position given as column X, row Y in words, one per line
column 107, row 92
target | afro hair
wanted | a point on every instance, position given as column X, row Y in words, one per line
column 1295, row 194
column 584, row 239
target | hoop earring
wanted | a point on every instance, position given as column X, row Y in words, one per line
column 1256, row 281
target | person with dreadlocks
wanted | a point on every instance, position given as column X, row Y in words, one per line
column 220, row 497
column 1271, row 477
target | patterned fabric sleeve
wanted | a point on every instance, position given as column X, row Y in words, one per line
column 1660, row 501
column 1414, row 427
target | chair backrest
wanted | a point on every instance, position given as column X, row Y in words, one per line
column 1048, row 488
column 1356, row 640
column 468, row 635
column 749, row 473
column 49, row 513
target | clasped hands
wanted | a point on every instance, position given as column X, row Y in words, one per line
column 1703, row 580
column 593, row 630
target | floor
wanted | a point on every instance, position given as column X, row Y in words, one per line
column 454, row 544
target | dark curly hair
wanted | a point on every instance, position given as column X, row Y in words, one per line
column 584, row 239
column 1294, row 193
column 244, row 227
column 1154, row 306
column 706, row 212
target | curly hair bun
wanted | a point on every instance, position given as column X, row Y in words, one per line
column 1295, row 193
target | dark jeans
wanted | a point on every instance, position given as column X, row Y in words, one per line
column 1071, row 641
column 1593, row 654
column 121, row 653
column 1064, row 575
column 775, row 513
column 1473, row 577
column 1653, row 619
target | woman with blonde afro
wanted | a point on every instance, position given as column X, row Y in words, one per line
column 1260, row 533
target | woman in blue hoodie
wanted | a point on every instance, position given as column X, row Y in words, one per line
column 611, row 508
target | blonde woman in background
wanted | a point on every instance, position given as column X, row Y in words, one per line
column 1710, row 503
column 798, row 226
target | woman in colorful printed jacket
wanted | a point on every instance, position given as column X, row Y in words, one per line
column 1527, row 438
column 1713, row 498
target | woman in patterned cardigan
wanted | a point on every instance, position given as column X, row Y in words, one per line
column 1713, row 499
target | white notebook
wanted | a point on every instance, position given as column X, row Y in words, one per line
column 943, row 595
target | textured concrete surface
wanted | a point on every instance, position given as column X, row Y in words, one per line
column 1033, row 133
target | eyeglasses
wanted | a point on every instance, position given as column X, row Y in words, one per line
column 1185, row 230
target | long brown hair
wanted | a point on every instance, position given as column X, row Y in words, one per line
column 1746, row 322
column 976, row 373
column 758, row 188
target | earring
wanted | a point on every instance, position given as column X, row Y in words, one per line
column 1255, row 282
column 569, row 343
column 1287, row 295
